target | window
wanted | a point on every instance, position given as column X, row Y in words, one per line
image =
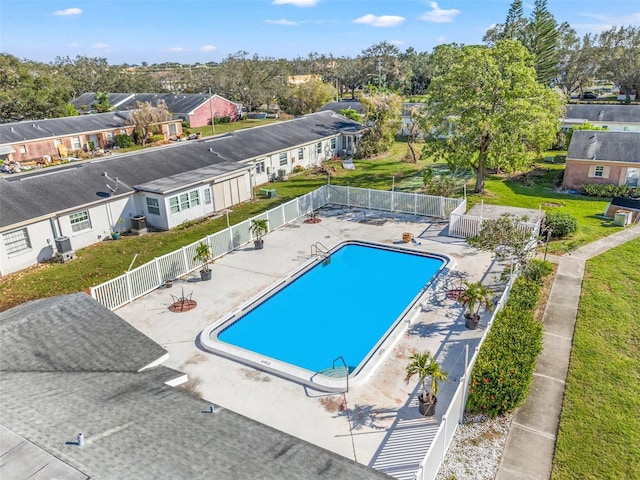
column 260, row 167
column 23, row 149
column 184, row 201
column 207, row 195
column 598, row 171
column 632, row 177
column 319, row 148
column 17, row 241
column 300, row 154
column 76, row 144
column 153, row 206
column 283, row 159
column 57, row 142
column 333, row 144
column 195, row 198
column 173, row 129
column 80, row 221
column 174, row 204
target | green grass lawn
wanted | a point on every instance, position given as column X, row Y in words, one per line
column 599, row 433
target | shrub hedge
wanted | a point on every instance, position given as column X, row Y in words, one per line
column 610, row 190
column 561, row 224
column 502, row 374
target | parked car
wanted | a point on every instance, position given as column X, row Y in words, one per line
column 589, row 96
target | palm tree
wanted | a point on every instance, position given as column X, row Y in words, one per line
column 425, row 366
column 475, row 296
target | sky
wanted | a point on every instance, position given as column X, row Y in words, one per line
column 192, row 31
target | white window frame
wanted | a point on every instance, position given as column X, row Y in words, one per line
column 598, row 171
column 260, row 167
column 80, row 221
column 632, row 174
column 185, row 204
column 153, row 206
column 333, row 143
column 319, row 148
column 300, row 154
column 16, row 241
column 76, row 144
column 174, row 204
column 283, row 159
column 194, row 196
column 23, row 149
column 207, row 196
column 184, row 201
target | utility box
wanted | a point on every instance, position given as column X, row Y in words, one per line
column 622, row 218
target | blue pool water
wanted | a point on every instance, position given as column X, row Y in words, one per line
column 342, row 307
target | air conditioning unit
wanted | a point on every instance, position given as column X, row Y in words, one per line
column 63, row 245
column 282, row 174
column 64, row 253
column 138, row 224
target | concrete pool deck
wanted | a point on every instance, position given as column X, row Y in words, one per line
column 386, row 431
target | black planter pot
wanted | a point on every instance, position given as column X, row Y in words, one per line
column 427, row 409
column 205, row 274
column 259, row 244
column 471, row 321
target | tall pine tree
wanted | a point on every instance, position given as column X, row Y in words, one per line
column 542, row 42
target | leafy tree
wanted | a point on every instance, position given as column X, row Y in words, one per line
column 252, row 81
column 542, row 42
column 102, row 102
column 146, row 118
column 307, row 97
column 30, row 91
column 350, row 113
column 417, row 72
column 486, row 109
column 382, row 65
column 87, row 74
column 577, row 61
column 507, row 238
column 382, row 116
column 350, row 75
column 514, row 27
column 620, row 57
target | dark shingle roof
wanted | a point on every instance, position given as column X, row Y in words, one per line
column 342, row 105
column 12, row 133
column 135, row 426
column 72, row 333
column 604, row 113
column 606, row 146
column 80, row 184
column 179, row 104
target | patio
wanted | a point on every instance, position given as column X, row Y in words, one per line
column 380, row 425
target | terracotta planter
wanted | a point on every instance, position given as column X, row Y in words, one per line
column 407, row 237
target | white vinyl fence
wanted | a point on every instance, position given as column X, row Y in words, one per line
column 146, row 278
column 434, row 457
column 465, row 226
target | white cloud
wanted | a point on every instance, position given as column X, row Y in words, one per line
column 100, row 46
column 208, row 48
column 397, row 42
column 296, row 3
column 608, row 21
column 438, row 15
column 176, row 49
column 286, row 23
column 381, row 21
column 441, row 39
column 67, row 12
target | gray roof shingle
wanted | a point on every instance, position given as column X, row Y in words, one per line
column 72, row 333
column 604, row 113
column 606, row 146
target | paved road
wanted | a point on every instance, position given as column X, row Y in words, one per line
column 528, row 453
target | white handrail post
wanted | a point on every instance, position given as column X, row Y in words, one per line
column 158, row 272
column 129, row 290
column 184, row 257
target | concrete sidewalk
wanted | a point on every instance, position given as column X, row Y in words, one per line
column 530, row 446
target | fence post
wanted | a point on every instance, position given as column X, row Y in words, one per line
column 129, row 291
column 444, row 437
column 348, row 197
column 158, row 272
column 184, row 257
column 415, row 203
column 441, row 207
column 369, row 199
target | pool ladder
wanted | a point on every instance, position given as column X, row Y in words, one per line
column 319, row 250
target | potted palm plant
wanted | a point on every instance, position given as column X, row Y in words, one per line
column 425, row 366
column 203, row 256
column 474, row 297
column 258, row 229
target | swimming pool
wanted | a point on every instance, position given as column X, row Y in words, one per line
column 337, row 310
